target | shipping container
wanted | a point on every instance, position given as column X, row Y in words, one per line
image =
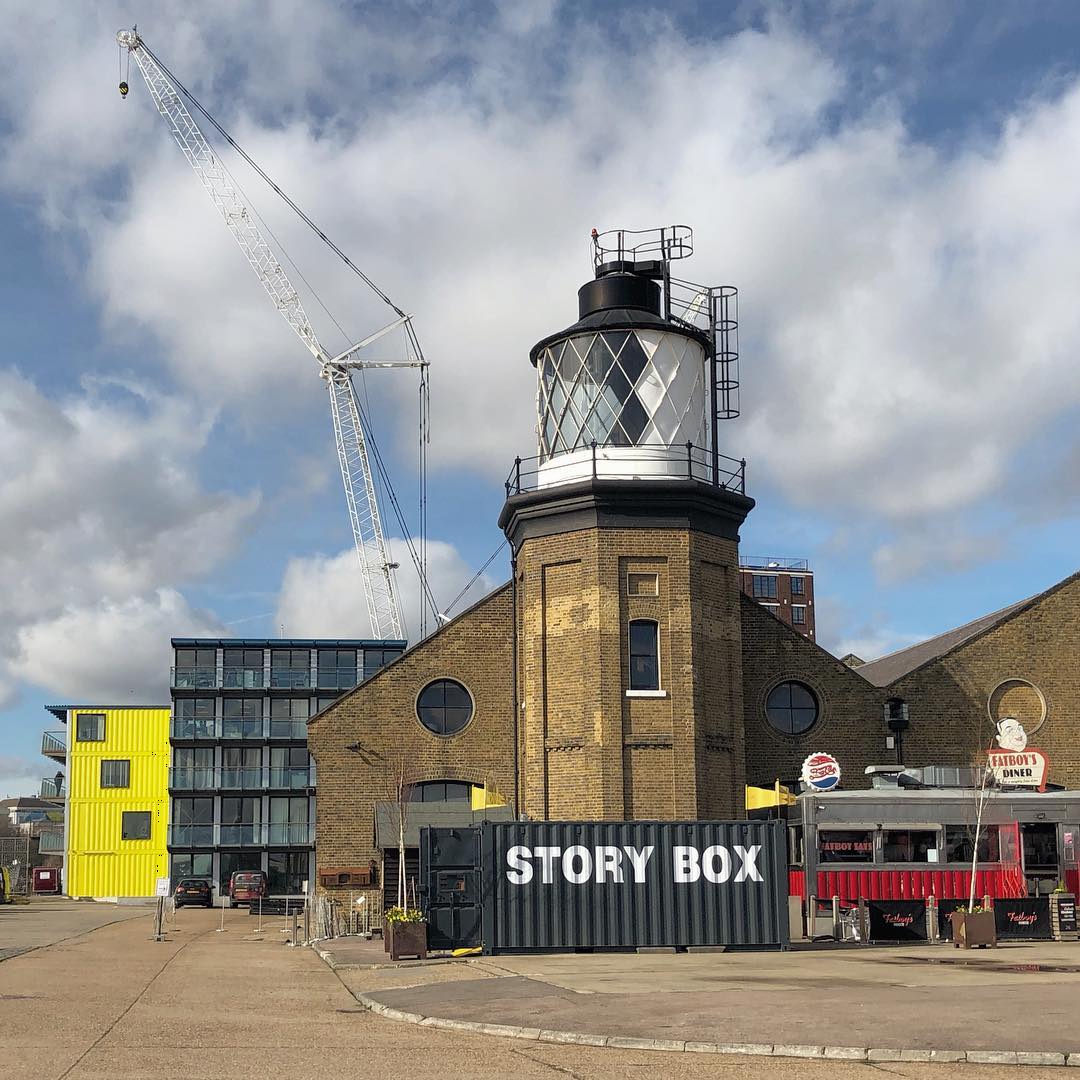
column 607, row 885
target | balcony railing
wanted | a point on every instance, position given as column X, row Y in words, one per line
column 242, row 834
column 288, row 729
column 193, row 728
column 51, row 842
column 194, row 678
column 595, row 462
column 290, row 679
column 243, row 727
column 243, row 678
column 337, row 678
column 772, row 562
column 51, row 788
column 292, row 778
column 206, row 778
column 54, row 744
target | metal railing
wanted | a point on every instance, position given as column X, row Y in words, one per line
column 51, row 789
column 194, row 678
column 243, row 727
column 337, row 678
column 594, row 462
column 288, row 729
column 290, row 679
column 207, row 778
column 771, row 562
column 54, row 743
column 193, row 728
column 243, row 678
column 241, row 834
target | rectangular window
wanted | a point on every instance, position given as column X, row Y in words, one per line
column 376, row 659
column 135, row 825
column 286, row 872
column 195, row 669
column 909, row 845
column 639, row 584
column 231, row 861
column 198, row 864
column 323, row 702
column 116, row 773
column 240, row 767
column 193, row 718
column 797, row 586
column 90, row 727
column 193, row 768
column 242, row 669
column 241, row 718
column 960, row 840
column 845, row 845
column 288, row 718
column 644, row 655
column 337, row 668
column 798, row 615
column 289, row 767
column 290, row 669
column 289, row 820
column 764, row 586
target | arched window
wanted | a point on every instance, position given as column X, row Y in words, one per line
column 441, row 791
column 791, row 708
column 644, row 655
column 444, row 707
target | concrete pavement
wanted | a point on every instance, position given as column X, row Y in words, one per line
column 114, row 1004
column 45, row 920
column 1019, row 997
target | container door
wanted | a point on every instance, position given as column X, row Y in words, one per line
column 450, row 871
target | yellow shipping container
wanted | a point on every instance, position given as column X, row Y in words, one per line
column 118, row 800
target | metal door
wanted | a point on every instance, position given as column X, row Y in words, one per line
column 450, row 872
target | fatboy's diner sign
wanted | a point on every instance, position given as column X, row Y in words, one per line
column 578, row 864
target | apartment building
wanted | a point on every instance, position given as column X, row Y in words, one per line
column 784, row 587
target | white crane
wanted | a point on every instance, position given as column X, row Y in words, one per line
column 375, row 566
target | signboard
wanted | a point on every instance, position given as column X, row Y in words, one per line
column 1018, row 919
column 1026, row 768
column 570, row 885
column 162, row 887
column 821, row 772
column 896, row 920
column 1066, row 915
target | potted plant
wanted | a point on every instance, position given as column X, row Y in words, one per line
column 406, row 933
column 974, row 927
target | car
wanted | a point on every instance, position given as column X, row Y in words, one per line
column 194, row 891
column 247, row 887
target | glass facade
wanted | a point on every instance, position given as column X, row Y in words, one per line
column 621, row 388
column 242, row 781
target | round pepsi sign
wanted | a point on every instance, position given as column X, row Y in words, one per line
column 821, row 772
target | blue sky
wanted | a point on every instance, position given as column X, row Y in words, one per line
column 891, row 186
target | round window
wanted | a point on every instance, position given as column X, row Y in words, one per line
column 791, row 708
column 444, row 707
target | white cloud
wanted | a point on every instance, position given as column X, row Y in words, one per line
column 323, row 596
column 113, row 651
column 103, row 516
column 19, row 776
column 899, row 299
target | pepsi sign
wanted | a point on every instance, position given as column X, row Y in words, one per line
column 821, row 772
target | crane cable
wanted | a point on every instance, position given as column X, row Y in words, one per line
column 419, row 559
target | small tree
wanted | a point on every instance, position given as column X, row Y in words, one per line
column 400, row 779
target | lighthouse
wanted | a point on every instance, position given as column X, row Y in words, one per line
column 624, row 528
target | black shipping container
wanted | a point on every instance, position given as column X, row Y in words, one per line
column 612, row 885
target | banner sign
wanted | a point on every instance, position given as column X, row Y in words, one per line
column 896, row 920
column 1024, row 769
column 1017, row 919
column 945, row 908
column 1066, row 911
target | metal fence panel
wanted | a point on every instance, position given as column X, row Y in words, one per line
column 571, row 885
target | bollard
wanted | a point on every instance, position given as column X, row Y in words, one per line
column 260, row 929
column 837, row 930
column 307, row 922
column 295, row 925
column 811, row 917
column 221, row 928
column 933, row 931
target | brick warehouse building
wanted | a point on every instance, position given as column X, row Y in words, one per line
column 623, row 673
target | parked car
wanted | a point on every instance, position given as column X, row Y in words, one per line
column 194, row 891
column 247, row 886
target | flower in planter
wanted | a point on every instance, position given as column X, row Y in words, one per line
column 404, row 915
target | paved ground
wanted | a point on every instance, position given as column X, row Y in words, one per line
column 47, row 920
column 113, row 1004
column 931, row 997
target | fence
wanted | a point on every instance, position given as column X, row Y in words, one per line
column 15, row 858
column 358, row 916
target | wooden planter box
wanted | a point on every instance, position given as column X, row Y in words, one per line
column 973, row 930
column 407, row 939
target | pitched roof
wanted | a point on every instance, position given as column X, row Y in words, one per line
column 887, row 669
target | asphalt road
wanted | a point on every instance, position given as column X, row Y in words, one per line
column 112, row 1003
column 47, row 920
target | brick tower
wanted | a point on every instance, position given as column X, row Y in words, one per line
column 624, row 531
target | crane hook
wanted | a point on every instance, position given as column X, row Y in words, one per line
column 124, row 89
